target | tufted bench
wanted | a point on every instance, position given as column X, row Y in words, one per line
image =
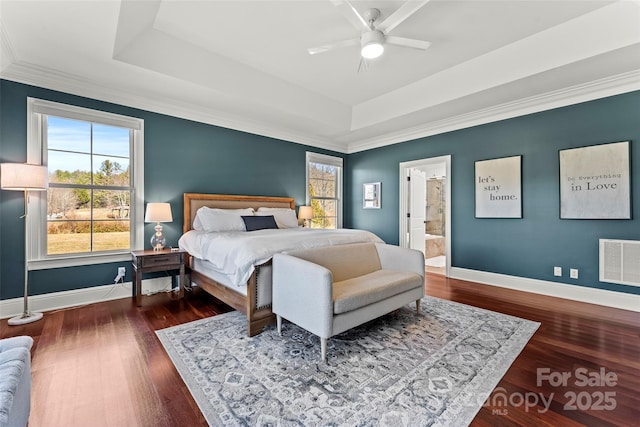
column 15, row 381
column 332, row 289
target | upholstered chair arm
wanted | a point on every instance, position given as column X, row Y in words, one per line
column 14, row 342
column 303, row 294
column 15, row 380
column 403, row 259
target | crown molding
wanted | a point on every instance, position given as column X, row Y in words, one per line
column 47, row 78
column 31, row 74
column 601, row 88
column 6, row 47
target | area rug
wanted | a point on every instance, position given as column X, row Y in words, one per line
column 435, row 368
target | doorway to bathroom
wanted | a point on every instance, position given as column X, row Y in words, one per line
column 425, row 210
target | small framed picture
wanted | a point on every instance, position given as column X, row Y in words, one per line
column 499, row 188
column 371, row 195
column 595, row 182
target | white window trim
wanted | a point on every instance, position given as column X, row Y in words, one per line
column 327, row 160
column 37, row 257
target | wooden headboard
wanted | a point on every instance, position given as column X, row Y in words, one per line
column 194, row 201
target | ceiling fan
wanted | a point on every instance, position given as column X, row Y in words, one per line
column 375, row 35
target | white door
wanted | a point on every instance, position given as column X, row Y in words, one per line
column 417, row 208
column 405, row 205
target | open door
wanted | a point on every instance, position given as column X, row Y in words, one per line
column 417, row 211
column 413, row 207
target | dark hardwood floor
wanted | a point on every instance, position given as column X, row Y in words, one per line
column 102, row 365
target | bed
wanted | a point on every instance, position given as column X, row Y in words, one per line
column 247, row 286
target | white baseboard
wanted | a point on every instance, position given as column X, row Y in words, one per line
column 561, row 290
column 65, row 299
column 77, row 297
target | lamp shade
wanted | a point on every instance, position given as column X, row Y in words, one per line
column 372, row 44
column 158, row 212
column 306, row 212
column 23, row 176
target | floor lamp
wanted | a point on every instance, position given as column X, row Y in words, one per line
column 24, row 177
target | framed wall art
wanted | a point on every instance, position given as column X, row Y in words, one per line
column 499, row 188
column 371, row 195
column 595, row 182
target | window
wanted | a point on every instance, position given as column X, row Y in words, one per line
column 92, row 211
column 324, row 190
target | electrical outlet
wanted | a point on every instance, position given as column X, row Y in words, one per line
column 573, row 273
column 120, row 277
column 557, row 271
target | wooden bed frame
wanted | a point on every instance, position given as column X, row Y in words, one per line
column 256, row 318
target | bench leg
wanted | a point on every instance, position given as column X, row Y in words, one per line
column 323, row 349
column 279, row 323
column 418, row 306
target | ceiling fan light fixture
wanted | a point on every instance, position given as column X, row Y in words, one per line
column 372, row 43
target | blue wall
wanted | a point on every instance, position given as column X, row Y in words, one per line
column 186, row 156
column 527, row 247
column 180, row 156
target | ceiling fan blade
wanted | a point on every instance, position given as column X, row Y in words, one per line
column 351, row 14
column 397, row 17
column 405, row 42
column 330, row 46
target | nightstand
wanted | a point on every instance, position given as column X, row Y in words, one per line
column 148, row 261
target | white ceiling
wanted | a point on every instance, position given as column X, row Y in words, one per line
column 244, row 65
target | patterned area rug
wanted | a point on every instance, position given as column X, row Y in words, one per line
column 404, row 369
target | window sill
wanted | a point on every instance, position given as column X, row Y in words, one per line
column 78, row 260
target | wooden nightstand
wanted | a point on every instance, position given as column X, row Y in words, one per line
column 148, row 261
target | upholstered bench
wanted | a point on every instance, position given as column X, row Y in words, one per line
column 332, row 289
column 15, row 381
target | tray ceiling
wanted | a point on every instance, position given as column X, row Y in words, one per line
column 244, row 64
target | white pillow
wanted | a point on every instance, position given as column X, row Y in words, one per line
column 213, row 219
column 285, row 218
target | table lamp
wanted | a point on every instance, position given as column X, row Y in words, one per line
column 306, row 213
column 158, row 212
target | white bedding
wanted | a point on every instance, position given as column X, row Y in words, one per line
column 236, row 253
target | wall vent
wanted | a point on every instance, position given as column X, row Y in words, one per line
column 620, row 261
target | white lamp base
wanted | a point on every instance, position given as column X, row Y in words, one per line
column 25, row 318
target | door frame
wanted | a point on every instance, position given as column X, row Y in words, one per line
column 404, row 201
